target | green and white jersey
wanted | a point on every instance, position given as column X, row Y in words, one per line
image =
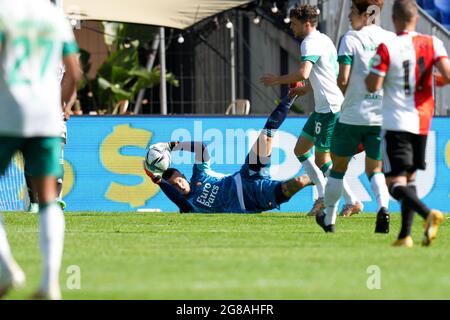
column 357, row 49
column 320, row 50
column 34, row 37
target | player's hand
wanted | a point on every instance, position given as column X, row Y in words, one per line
column 440, row 80
column 155, row 178
column 173, row 144
column 66, row 115
column 299, row 90
column 162, row 146
column 269, row 79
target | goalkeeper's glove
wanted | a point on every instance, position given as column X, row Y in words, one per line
column 165, row 145
column 155, row 178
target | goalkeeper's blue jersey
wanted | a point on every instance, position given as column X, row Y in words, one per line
column 213, row 192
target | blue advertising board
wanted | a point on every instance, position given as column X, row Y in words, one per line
column 103, row 160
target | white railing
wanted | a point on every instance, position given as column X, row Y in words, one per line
column 336, row 23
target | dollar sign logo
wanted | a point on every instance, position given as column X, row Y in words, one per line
column 447, row 156
column 69, row 178
column 114, row 161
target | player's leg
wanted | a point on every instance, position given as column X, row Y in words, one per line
column 33, row 207
column 292, row 186
column 268, row 194
column 343, row 146
column 380, row 190
column 51, row 237
column 434, row 217
column 329, row 122
column 407, row 215
column 59, row 181
column 44, row 167
column 334, row 188
column 378, row 184
column 11, row 275
column 398, row 159
column 374, row 171
column 259, row 155
column 325, row 127
column 303, row 153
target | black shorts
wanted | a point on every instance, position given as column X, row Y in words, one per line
column 403, row 153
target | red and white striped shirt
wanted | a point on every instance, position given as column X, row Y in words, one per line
column 407, row 63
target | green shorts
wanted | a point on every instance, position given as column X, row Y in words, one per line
column 347, row 137
column 41, row 154
column 319, row 129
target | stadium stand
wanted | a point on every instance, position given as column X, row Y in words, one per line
column 444, row 7
column 438, row 10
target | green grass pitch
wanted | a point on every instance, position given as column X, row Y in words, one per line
column 267, row 256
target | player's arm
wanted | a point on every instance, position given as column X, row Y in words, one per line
column 374, row 82
column 67, row 105
column 171, row 193
column 441, row 62
column 70, row 53
column 380, row 67
column 443, row 65
column 300, row 90
column 199, row 148
column 72, row 76
column 344, row 76
column 301, row 74
column 347, row 50
column 175, row 196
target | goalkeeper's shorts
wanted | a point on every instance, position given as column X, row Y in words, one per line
column 260, row 191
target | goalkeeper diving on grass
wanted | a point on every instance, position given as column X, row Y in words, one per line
column 250, row 190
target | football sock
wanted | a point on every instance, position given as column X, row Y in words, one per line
column 313, row 172
column 52, row 243
column 407, row 221
column 407, row 197
column 412, row 186
column 380, row 190
column 347, row 193
column 349, row 196
column 326, row 168
column 278, row 116
column 59, row 185
column 6, row 258
column 31, row 194
column 333, row 192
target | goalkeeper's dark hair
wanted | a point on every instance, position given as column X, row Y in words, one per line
column 306, row 13
column 169, row 173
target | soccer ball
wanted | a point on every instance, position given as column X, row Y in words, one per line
column 157, row 160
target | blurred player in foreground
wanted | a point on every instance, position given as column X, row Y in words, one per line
column 35, row 39
column 318, row 64
column 66, row 88
column 250, row 190
column 404, row 68
column 360, row 120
